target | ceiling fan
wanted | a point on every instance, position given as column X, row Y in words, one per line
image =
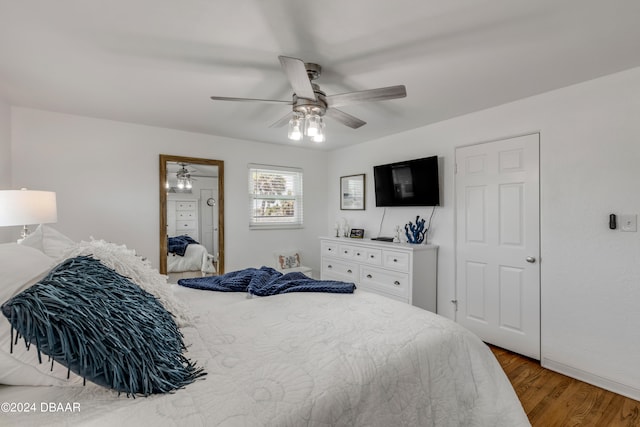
column 310, row 104
column 184, row 178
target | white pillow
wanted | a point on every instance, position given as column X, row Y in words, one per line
column 287, row 260
column 22, row 266
column 48, row 240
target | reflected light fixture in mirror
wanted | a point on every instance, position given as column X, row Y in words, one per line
column 178, row 169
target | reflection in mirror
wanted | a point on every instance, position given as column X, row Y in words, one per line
column 191, row 217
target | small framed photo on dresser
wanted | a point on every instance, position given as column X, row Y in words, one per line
column 356, row 233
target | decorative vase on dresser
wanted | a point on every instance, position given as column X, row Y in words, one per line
column 402, row 271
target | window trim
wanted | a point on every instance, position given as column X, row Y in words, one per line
column 298, row 199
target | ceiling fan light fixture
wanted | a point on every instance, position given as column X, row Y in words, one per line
column 320, row 135
column 184, row 179
column 310, row 103
column 295, row 129
column 307, row 124
column 312, row 122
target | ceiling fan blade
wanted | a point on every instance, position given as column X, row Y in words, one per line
column 344, row 118
column 283, row 121
column 380, row 94
column 296, row 72
column 271, row 101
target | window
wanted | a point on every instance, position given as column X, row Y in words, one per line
column 275, row 197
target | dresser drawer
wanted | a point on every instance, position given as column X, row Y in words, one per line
column 329, row 249
column 368, row 256
column 385, row 281
column 182, row 215
column 384, row 294
column 396, row 260
column 185, row 225
column 186, row 206
column 360, row 254
column 346, row 251
column 339, row 270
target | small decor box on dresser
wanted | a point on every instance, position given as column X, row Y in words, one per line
column 402, row 271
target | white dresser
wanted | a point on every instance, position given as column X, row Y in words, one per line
column 182, row 218
column 402, row 271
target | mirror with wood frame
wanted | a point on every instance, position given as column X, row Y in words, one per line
column 191, row 216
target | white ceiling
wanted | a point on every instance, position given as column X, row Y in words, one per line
column 156, row 62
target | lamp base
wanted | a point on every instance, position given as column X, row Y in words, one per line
column 23, row 234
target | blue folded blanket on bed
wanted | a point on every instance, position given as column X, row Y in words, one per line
column 266, row 281
column 178, row 244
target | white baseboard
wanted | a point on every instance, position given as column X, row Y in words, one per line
column 587, row 377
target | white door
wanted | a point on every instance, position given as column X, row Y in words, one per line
column 498, row 242
column 208, row 211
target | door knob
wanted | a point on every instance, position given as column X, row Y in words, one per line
column 531, row 259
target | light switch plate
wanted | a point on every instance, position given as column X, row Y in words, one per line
column 628, row 222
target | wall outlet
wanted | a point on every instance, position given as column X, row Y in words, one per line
column 628, row 222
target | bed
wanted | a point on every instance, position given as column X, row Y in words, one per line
column 295, row 359
column 194, row 258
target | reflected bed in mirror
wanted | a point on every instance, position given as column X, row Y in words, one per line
column 191, row 217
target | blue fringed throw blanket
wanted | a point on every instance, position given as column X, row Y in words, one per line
column 178, row 245
column 265, row 281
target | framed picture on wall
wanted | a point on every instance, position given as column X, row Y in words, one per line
column 352, row 192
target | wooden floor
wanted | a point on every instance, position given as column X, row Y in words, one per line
column 551, row 399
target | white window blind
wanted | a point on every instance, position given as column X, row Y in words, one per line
column 275, row 197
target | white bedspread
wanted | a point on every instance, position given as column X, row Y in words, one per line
column 196, row 258
column 307, row 359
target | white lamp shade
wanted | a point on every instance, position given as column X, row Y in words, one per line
column 24, row 207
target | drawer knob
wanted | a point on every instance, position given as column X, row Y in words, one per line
column 395, row 260
column 349, row 271
column 369, row 276
column 358, row 253
column 371, row 256
column 346, row 252
column 329, row 249
column 329, row 266
column 396, row 283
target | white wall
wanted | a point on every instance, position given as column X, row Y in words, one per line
column 105, row 174
column 6, row 233
column 590, row 157
column 5, row 145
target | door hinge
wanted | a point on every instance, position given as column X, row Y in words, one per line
column 455, row 303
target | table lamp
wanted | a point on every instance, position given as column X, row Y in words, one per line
column 24, row 207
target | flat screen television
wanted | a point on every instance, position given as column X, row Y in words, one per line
column 409, row 183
